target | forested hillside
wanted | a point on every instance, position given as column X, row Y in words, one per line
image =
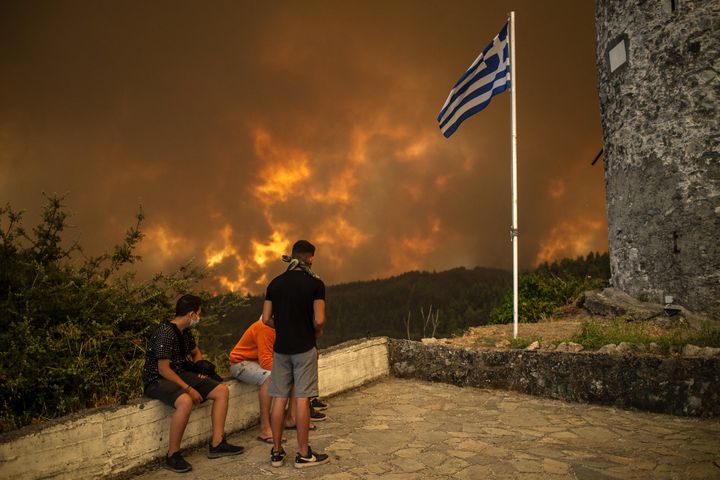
column 423, row 303
column 453, row 299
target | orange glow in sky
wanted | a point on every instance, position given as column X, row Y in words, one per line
column 241, row 127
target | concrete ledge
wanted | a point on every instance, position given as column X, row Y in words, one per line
column 113, row 440
column 352, row 364
column 679, row 386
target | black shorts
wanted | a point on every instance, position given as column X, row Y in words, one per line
column 167, row 391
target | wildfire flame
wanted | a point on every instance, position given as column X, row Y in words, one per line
column 215, row 256
column 277, row 246
column 164, row 242
column 284, row 173
column 289, row 172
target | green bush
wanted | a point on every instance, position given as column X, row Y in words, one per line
column 73, row 328
column 539, row 295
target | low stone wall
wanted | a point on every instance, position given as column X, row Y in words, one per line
column 112, row 440
column 675, row 385
column 352, row 364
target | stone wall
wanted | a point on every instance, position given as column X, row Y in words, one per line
column 658, row 64
column 114, row 440
column 675, row 385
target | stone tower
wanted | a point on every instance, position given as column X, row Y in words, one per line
column 658, row 65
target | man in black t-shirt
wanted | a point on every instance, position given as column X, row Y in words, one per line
column 167, row 377
column 295, row 307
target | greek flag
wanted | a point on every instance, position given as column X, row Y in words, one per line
column 487, row 76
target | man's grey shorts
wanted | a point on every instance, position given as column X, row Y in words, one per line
column 249, row 372
column 299, row 371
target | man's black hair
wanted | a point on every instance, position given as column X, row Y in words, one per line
column 303, row 248
column 186, row 304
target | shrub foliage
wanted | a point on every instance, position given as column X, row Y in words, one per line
column 73, row 328
column 551, row 286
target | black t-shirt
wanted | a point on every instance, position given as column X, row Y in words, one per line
column 292, row 295
column 163, row 344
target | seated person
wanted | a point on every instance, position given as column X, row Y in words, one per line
column 167, row 378
column 251, row 362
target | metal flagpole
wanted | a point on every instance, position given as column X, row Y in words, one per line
column 514, row 228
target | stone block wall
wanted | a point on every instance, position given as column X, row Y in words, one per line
column 675, row 385
column 658, row 64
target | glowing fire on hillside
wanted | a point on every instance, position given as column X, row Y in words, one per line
column 295, row 195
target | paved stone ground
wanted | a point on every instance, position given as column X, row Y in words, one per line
column 406, row 429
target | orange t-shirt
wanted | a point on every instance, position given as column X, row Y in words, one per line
column 256, row 345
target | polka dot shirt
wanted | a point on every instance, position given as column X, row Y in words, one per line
column 163, row 344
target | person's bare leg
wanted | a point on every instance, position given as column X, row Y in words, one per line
column 277, row 421
column 290, row 416
column 265, row 402
column 302, row 419
column 178, row 422
column 220, row 396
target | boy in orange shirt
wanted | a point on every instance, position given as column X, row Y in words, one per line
column 251, row 362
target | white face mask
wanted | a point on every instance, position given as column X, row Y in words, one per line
column 194, row 323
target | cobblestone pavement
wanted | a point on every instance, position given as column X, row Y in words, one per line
column 406, row 429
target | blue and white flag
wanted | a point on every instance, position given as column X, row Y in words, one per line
column 487, row 76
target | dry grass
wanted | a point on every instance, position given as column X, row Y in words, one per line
column 573, row 324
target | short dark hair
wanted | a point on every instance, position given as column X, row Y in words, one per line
column 186, row 304
column 303, row 248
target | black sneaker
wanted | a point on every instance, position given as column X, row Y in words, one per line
column 318, row 404
column 223, row 449
column 277, row 458
column 177, row 463
column 316, row 416
column 312, row 460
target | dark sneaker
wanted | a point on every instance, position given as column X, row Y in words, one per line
column 223, row 449
column 312, row 460
column 177, row 463
column 277, row 458
column 318, row 404
column 316, row 416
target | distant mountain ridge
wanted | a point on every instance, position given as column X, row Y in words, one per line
column 460, row 298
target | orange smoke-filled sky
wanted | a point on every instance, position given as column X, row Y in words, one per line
column 243, row 126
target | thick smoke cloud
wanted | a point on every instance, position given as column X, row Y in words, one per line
column 243, row 126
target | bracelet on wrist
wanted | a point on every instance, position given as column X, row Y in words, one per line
column 187, row 389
